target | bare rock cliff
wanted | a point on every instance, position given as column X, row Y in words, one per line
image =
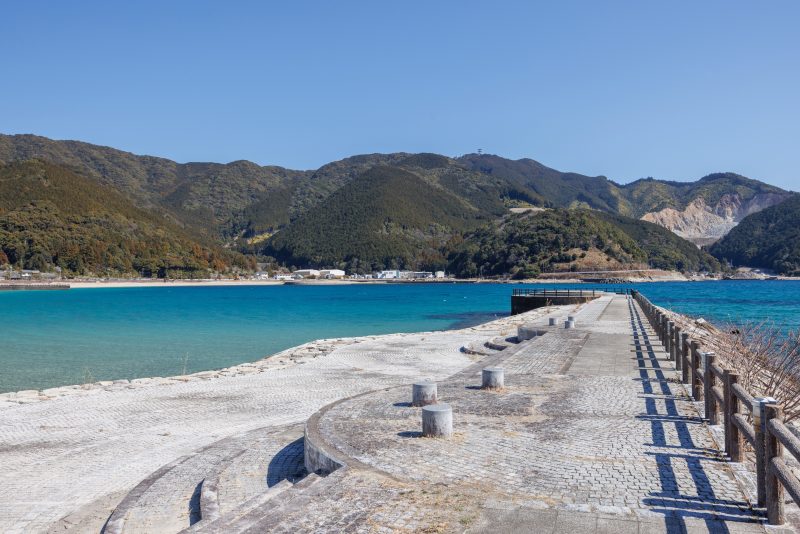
column 704, row 224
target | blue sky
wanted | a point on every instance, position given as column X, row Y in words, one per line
column 673, row 90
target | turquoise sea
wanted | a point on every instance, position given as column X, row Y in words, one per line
column 51, row 338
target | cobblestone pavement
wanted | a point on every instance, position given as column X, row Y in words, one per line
column 72, row 458
column 592, row 429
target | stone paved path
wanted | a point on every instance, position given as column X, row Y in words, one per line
column 593, row 433
column 70, row 460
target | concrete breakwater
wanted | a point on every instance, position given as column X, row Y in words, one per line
column 71, row 454
column 589, row 430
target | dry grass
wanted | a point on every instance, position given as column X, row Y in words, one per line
column 766, row 358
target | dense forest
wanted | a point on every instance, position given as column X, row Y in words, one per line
column 385, row 218
column 51, row 217
column 528, row 244
column 768, row 239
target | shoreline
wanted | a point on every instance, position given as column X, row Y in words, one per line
column 617, row 277
column 292, row 356
column 120, row 284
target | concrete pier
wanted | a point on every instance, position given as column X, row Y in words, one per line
column 595, row 434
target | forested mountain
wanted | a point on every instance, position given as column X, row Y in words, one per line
column 51, row 217
column 381, row 209
column 768, row 239
column 387, row 217
column 557, row 240
column 208, row 199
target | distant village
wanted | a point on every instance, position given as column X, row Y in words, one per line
column 300, row 274
column 338, row 274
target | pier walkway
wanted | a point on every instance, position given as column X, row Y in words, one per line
column 592, row 433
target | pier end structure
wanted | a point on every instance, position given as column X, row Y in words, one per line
column 523, row 300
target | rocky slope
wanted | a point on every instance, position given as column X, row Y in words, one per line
column 704, row 224
column 769, row 239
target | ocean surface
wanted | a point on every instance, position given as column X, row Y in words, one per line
column 52, row 338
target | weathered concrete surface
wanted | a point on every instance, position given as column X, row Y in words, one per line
column 593, row 433
column 74, row 457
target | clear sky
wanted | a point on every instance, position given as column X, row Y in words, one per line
column 673, row 90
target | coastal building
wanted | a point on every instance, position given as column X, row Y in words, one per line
column 283, row 276
column 306, row 273
column 386, row 275
column 331, row 273
column 439, row 274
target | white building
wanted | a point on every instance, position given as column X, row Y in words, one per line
column 306, row 273
column 388, row 274
column 331, row 273
column 439, row 274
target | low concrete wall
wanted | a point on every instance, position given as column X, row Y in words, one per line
column 527, row 331
column 524, row 303
column 316, row 456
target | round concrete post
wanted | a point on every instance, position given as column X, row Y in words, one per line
column 424, row 393
column 569, row 324
column 553, row 321
column 493, row 378
column 437, row 421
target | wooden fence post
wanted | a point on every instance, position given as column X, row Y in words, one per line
column 709, row 380
column 759, row 406
column 734, row 440
column 773, row 449
column 678, row 349
column 686, row 352
column 667, row 334
column 697, row 389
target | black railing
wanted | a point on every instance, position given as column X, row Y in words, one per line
column 535, row 292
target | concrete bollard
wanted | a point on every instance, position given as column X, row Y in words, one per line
column 569, row 324
column 571, row 318
column 493, row 378
column 553, row 321
column 437, row 421
column 424, row 393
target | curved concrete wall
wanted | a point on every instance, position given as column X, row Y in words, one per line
column 317, row 457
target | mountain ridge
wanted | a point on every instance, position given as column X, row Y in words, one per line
column 245, row 206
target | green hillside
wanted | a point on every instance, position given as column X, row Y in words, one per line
column 206, row 199
column 559, row 240
column 51, row 217
column 650, row 195
column 387, row 217
column 560, row 189
column 369, row 210
column 768, row 239
column 553, row 188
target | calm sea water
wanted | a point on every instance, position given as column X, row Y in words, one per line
column 51, row 338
